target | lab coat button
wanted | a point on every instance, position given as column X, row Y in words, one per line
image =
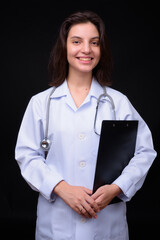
column 82, row 164
column 81, row 136
column 83, row 220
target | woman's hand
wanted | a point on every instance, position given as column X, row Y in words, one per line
column 78, row 198
column 104, row 195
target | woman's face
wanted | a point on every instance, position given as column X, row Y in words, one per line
column 83, row 50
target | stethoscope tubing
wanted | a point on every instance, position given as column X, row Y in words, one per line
column 45, row 143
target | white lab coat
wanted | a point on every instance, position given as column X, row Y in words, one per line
column 72, row 157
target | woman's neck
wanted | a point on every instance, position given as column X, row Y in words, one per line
column 79, row 80
column 79, row 87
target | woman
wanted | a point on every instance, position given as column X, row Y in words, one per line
column 80, row 66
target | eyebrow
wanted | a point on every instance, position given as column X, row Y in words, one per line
column 96, row 37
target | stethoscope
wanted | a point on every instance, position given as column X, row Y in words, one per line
column 46, row 143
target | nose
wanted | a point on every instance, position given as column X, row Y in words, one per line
column 86, row 48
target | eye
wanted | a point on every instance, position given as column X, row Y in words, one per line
column 76, row 42
column 95, row 43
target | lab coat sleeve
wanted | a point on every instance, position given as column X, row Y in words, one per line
column 134, row 174
column 30, row 156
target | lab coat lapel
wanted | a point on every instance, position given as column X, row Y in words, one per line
column 63, row 91
column 60, row 91
column 96, row 89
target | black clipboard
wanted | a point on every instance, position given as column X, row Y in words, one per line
column 116, row 148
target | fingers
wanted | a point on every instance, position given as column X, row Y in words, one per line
column 79, row 199
column 91, row 200
column 96, row 195
column 84, row 212
column 104, row 195
column 89, row 207
column 88, row 191
column 92, row 203
column 89, row 210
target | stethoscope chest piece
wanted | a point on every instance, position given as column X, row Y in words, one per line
column 45, row 144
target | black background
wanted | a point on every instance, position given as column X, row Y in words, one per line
column 28, row 32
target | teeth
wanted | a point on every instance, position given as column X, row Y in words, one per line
column 84, row 59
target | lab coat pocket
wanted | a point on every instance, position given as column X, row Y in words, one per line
column 54, row 220
column 111, row 223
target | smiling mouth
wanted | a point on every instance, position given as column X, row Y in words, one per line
column 85, row 58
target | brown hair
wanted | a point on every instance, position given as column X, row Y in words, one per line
column 58, row 64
